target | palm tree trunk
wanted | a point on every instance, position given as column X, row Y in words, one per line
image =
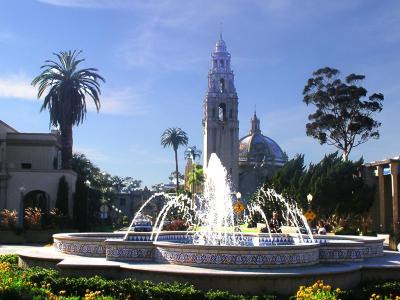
column 66, row 146
column 176, row 170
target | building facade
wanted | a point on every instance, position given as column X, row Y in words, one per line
column 30, row 170
column 220, row 122
column 130, row 203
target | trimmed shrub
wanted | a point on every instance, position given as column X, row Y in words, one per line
column 62, row 196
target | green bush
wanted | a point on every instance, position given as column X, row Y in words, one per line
column 38, row 283
column 9, row 258
column 367, row 289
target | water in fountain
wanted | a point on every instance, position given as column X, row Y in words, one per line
column 213, row 216
column 215, row 212
column 289, row 211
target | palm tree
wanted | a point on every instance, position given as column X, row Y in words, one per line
column 174, row 137
column 67, row 88
column 192, row 153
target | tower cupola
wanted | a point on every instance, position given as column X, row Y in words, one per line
column 255, row 125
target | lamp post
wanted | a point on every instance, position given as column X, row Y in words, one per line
column 238, row 196
column 21, row 207
column 309, row 199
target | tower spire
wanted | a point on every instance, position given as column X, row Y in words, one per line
column 220, row 30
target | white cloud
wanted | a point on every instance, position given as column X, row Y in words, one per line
column 17, row 86
column 118, row 101
column 124, row 101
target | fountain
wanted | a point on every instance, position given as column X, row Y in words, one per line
column 214, row 244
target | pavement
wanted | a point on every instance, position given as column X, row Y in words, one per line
column 14, row 248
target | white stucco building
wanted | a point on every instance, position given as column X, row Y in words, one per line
column 30, row 169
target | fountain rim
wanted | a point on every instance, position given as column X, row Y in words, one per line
column 239, row 248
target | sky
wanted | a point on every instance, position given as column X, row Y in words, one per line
column 155, row 56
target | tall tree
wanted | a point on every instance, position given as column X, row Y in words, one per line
column 174, row 137
column 67, row 88
column 343, row 116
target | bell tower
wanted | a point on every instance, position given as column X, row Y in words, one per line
column 220, row 122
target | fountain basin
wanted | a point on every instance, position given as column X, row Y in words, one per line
column 257, row 251
column 237, row 256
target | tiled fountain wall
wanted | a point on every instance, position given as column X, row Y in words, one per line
column 177, row 248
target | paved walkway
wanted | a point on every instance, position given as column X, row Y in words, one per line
column 14, row 248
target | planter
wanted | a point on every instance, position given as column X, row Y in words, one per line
column 11, row 237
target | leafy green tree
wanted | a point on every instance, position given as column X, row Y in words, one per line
column 343, row 116
column 336, row 185
column 101, row 188
column 174, row 137
column 172, row 176
column 157, row 188
column 288, row 180
column 196, row 177
column 62, row 196
column 338, row 188
column 67, row 88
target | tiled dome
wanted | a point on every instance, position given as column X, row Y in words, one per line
column 258, row 148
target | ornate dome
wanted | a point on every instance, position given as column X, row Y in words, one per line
column 257, row 148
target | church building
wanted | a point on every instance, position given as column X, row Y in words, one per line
column 248, row 160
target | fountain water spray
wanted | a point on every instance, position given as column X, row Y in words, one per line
column 213, row 216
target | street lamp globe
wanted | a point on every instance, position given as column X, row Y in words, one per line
column 309, row 199
column 238, row 195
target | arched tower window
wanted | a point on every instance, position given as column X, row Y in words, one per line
column 222, row 85
column 222, row 112
column 213, row 113
column 221, row 63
